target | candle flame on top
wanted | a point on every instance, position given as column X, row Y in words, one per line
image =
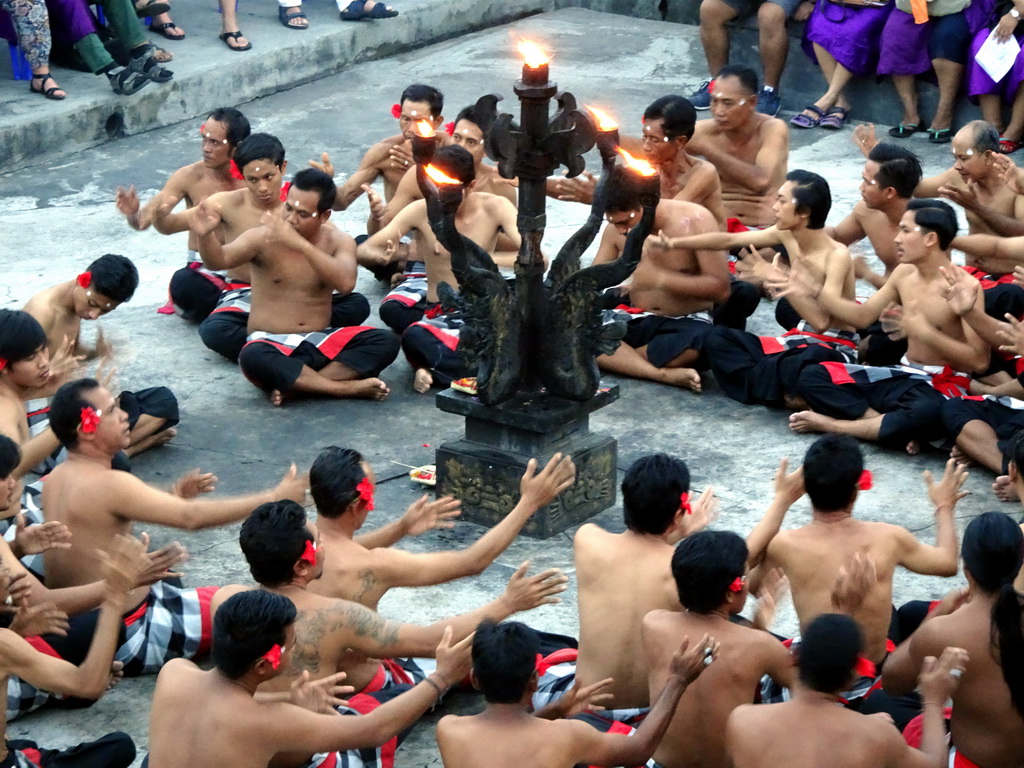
column 425, row 128
column 635, row 164
column 534, row 56
column 439, row 176
column 605, row 122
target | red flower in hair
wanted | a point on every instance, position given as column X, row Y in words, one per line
column 273, row 656
column 396, row 111
column 3, row 363
column 365, row 489
column 684, row 503
column 711, row 87
column 284, row 190
column 737, row 584
column 85, row 279
column 449, row 128
column 865, row 667
column 90, row 419
column 235, row 173
column 866, row 482
column 309, row 553
column 201, row 126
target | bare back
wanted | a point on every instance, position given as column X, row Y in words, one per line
column 811, row 557
column 696, row 736
column 621, row 577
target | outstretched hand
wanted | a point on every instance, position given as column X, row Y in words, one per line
column 789, row 486
column 194, row 483
column 579, row 189
column 322, row 695
column 864, row 138
column 687, row 663
column 946, row 493
column 524, row 593
column 856, row 578
column 324, row 165
column 539, row 490
column 1012, row 336
column 961, row 291
column 158, row 564
column 35, row 539
column 423, row 515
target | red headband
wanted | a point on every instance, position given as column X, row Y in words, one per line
column 85, row 279
column 309, row 553
column 273, row 656
column 684, row 503
column 865, row 482
column 365, row 489
column 90, row 419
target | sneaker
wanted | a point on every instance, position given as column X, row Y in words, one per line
column 768, row 102
column 701, row 98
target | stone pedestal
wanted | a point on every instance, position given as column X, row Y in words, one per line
column 483, row 469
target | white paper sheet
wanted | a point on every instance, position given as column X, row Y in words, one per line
column 997, row 58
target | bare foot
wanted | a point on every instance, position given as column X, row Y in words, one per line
column 913, row 448
column 961, row 457
column 371, row 389
column 1004, row 489
column 422, row 380
column 277, row 398
column 684, row 378
column 153, row 441
column 808, row 421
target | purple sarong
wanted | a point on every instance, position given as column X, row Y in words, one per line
column 849, row 33
column 978, row 82
column 70, row 21
column 904, row 49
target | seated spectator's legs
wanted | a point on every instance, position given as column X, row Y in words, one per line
column 714, row 15
column 903, row 56
column 773, row 40
column 32, row 25
column 948, row 41
column 991, row 95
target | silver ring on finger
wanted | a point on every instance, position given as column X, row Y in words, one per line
column 956, row 673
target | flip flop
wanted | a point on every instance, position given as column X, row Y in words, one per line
column 806, row 121
column 904, row 130
column 834, row 119
column 284, row 17
column 163, row 29
column 142, row 10
column 354, row 11
column 225, row 36
column 940, row 135
column 1009, row 146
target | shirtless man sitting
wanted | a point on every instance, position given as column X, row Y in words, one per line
column 620, row 578
column 431, row 344
column 668, row 125
column 334, row 635
column 858, row 400
column 987, row 723
column 217, row 717
column 709, row 569
column 810, row 730
column 24, row 659
column 223, row 218
column 503, row 669
column 801, row 206
column 109, row 282
column 194, row 290
column 97, row 503
column 363, row 574
column 407, row 301
column 297, row 261
column 812, row 555
column 888, row 180
column 749, row 150
column 668, row 302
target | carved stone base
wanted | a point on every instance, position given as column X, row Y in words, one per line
column 483, row 469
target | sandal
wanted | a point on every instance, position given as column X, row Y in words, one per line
column 940, row 135
column 1009, row 146
column 286, row 18
column 380, row 11
column 42, row 90
column 147, row 65
column 356, row 11
column 227, row 36
column 127, row 81
column 834, row 119
column 164, row 29
column 904, row 130
column 144, row 9
column 807, row 121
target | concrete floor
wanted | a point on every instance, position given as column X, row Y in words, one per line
column 59, row 215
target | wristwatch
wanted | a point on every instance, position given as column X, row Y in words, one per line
column 1015, row 13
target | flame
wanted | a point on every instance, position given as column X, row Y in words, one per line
column 534, row 56
column 425, row 128
column 439, row 176
column 604, row 120
column 635, row 164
